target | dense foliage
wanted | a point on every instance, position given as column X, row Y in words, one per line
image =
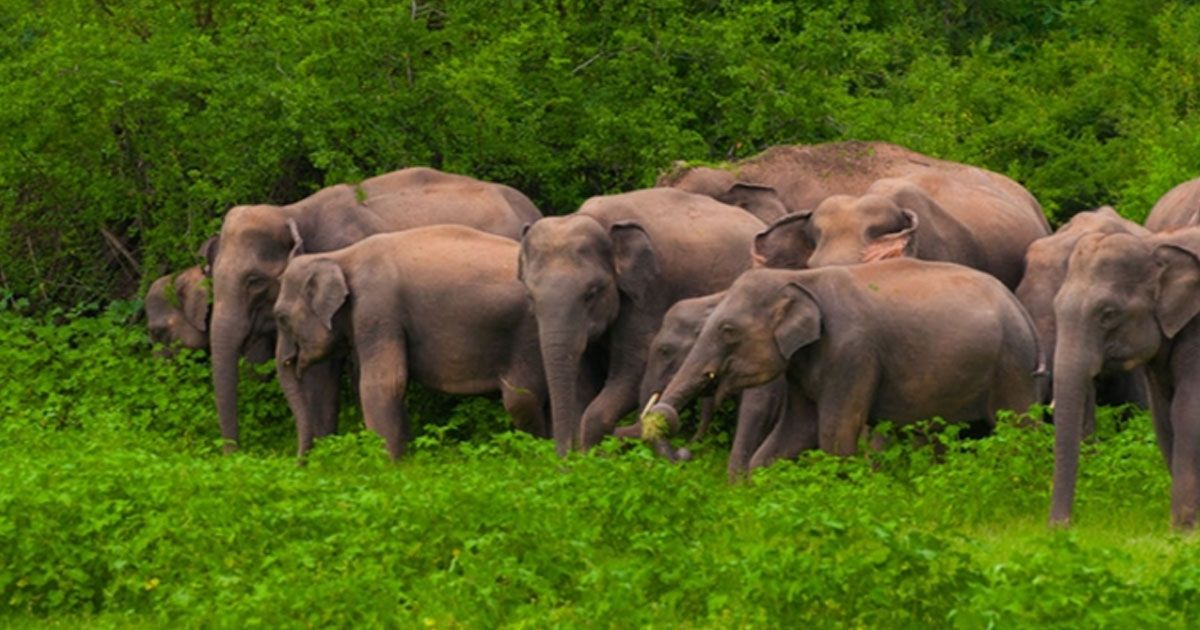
column 130, row 126
column 116, row 508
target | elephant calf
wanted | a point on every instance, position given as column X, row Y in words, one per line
column 680, row 328
column 439, row 304
column 177, row 310
column 900, row 339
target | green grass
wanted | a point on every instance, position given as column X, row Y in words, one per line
column 118, row 510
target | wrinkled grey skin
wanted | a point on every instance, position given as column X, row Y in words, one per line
column 1130, row 303
column 680, row 328
column 902, row 340
column 1045, row 271
column 1178, row 208
column 177, row 311
column 931, row 216
column 256, row 242
column 439, row 305
column 787, row 179
column 600, row 280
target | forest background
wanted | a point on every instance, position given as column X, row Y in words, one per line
column 128, row 128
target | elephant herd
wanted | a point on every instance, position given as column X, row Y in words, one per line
column 825, row 286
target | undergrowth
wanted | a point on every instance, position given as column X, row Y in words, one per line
column 117, row 509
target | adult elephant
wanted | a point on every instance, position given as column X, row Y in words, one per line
column 1045, row 270
column 902, row 340
column 787, row 179
column 256, row 242
column 440, row 305
column 931, row 216
column 1131, row 303
column 1179, row 207
column 601, row 279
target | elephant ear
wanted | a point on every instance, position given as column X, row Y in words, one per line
column 1178, row 288
column 194, row 297
column 797, row 319
column 326, row 291
column 901, row 243
column 786, row 243
column 297, row 240
column 521, row 253
column 208, row 252
column 634, row 259
column 761, row 201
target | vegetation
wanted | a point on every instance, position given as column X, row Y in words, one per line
column 129, row 127
column 117, row 509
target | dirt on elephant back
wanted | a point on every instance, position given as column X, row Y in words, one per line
column 805, row 174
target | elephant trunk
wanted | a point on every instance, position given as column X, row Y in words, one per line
column 228, row 335
column 1074, row 403
column 562, row 355
column 661, row 417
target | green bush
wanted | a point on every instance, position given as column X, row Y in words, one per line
column 130, row 127
column 116, row 508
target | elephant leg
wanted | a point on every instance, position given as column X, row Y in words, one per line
column 600, row 418
column 310, row 400
column 1160, row 412
column 383, row 379
column 327, row 392
column 525, row 407
column 1185, row 458
column 1012, row 390
column 708, row 409
column 757, row 410
column 843, row 409
column 795, row 431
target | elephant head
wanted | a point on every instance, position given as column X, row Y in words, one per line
column 256, row 243
column 177, row 311
column 843, row 230
column 766, row 317
column 311, row 292
column 1123, row 297
column 680, row 328
column 577, row 272
column 1046, row 268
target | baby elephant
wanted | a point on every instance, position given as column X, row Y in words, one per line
column 901, row 340
column 177, row 311
column 439, row 304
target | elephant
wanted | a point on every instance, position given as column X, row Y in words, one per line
column 1131, row 303
column 899, row 339
column 440, row 305
column 256, row 242
column 1178, row 208
column 787, row 179
column 680, row 328
column 1045, row 269
column 177, row 311
column 931, row 216
column 600, row 280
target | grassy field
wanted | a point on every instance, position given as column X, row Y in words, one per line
column 116, row 509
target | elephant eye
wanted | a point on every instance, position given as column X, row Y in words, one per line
column 592, row 292
column 1109, row 316
column 665, row 350
column 729, row 332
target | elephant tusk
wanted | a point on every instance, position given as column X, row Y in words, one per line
column 712, row 376
column 653, row 401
